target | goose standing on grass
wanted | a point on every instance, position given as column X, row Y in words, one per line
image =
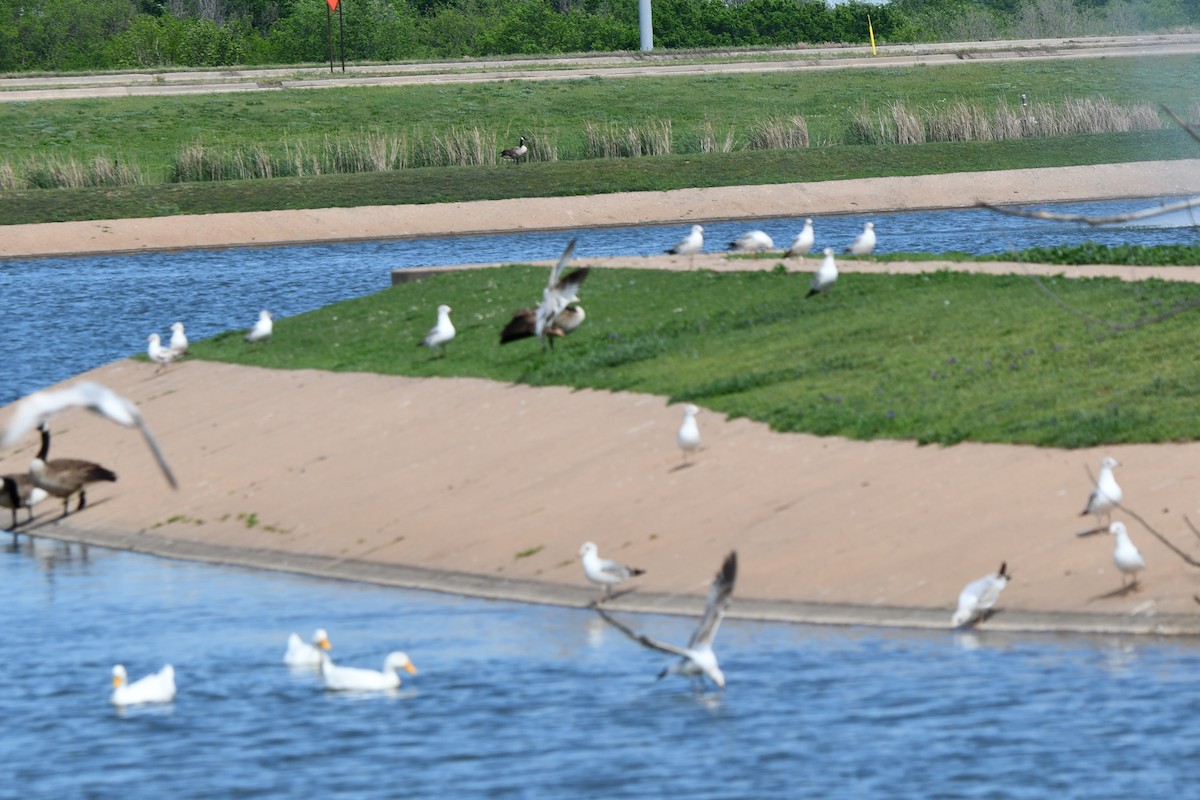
column 697, row 660
column 690, row 245
column 19, row 492
column 523, row 324
column 515, row 153
column 604, row 572
column 1106, row 496
column 158, row 354
column 558, row 314
column 803, row 242
column 825, row 276
column 179, row 340
column 979, row 597
column 864, row 243
column 263, row 328
column 302, row 654
column 689, row 432
column 752, row 242
column 33, row 410
column 441, row 333
column 157, row 687
column 356, row 679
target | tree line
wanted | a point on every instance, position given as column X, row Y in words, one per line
column 63, row 35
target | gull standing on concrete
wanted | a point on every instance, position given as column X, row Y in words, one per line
column 179, row 340
column 697, row 660
column 158, row 354
column 38, row 407
column 752, row 242
column 978, row 598
column 825, row 276
column 690, row 245
column 1106, row 496
column 864, row 243
column 262, row 329
column 442, row 333
column 803, row 241
column 604, row 572
column 689, row 431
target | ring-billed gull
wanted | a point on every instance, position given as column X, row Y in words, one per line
column 37, row 408
column 300, row 653
column 442, row 333
column 697, row 660
column 604, row 572
column 1126, row 555
column 515, row 153
column 19, row 492
column 1106, row 496
column 262, row 329
column 158, row 354
column 979, row 597
column 356, row 679
column 755, row 241
column 803, row 241
column 864, row 243
column 157, row 687
column 689, row 432
column 690, row 245
column 825, row 276
column 179, row 340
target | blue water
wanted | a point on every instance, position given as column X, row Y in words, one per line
column 67, row 315
column 529, row 701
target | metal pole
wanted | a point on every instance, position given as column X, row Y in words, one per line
column 342, row 35
column 329, row 34
column 644, row 26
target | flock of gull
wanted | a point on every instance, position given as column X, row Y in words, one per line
column 555, row 316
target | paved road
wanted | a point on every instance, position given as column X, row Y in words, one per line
column 22, row 89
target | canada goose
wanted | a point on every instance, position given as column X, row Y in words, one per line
column 864, row 243
column 515, row 153
column 978, row 598
column 35, row 409
column 158, row 354
column 825, row 276
column 179, row 340
column 355, row 679
column 697, row 660
column 604, row 572
column 1105, row 496
column 64, row 477
column 157, row 687
column 689, row 431
column 752, row 242
column 442, row 333
column 19, row 492
column 262, row 329
column 558, row 313
column 689, row 245
column 803, row 242
column 302, row 654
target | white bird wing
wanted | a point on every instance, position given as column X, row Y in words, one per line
column 719, row 596
column 558, row 292
column 557, row 269
column 642, row 639
column 613, row 568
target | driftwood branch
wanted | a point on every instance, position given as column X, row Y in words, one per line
column 1188, row 129
column 1190, row 525
column 1131, row 216
column 1187, row 559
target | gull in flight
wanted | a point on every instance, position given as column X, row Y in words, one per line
column 558, row 314
column 689, row 431
column 1106, row 496
column 697, row 660
column 604, row 572
column 356, row 679
column 262, row 329
column 37, row 408
column 158, row 354
column 864, row 243
column 803, row 241
column 690, row 245
column 977, row 599
column 157, row 687
column 752, row 242
column 300, row 653
column 441, row 333
column 179, row 340
column 826, row 276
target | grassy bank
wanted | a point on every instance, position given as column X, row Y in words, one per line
column 942, row 357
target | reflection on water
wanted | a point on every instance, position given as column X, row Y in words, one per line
column 532, row 701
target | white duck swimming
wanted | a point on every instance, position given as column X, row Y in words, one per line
column 302, row 654
column 356, row 679
column 157, row 687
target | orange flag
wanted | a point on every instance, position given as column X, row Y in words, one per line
column 333, row 4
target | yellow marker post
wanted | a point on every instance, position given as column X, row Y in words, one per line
column 871, row 31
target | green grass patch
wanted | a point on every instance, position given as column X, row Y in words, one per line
column 941, row 357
